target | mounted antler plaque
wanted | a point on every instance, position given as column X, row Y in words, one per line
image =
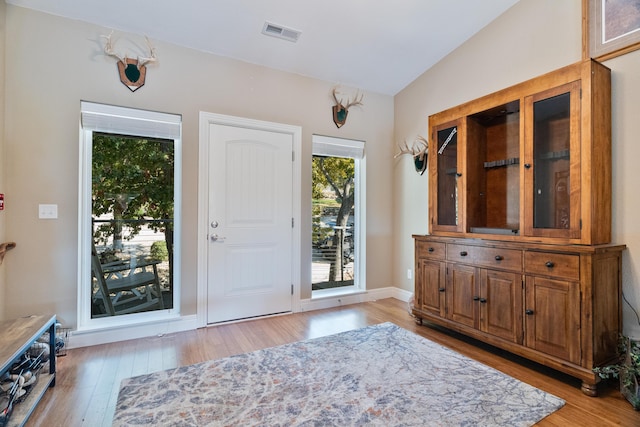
column 419, row 151
column 132, row 71
column 341, row 110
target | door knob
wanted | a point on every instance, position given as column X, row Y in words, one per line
column 216, row 238
column 214, row 224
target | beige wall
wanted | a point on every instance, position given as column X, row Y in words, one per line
column 54, row 63
column 626, row 200
column 531, row 38
column 3, row 298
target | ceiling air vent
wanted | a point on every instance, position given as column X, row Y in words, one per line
column 281, row 32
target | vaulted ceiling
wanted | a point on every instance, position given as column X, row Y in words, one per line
column 379, row 46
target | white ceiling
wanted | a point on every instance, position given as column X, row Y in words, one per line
column 379, row 46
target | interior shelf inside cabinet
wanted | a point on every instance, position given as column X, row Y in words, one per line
column 501, row 231
column 500, row 163
column 492, row 175
column 553, row 155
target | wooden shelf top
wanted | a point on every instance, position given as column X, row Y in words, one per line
column 16, row 335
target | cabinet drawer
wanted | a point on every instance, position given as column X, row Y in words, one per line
column 433, row 250
column 556, row 265
column 507, row 259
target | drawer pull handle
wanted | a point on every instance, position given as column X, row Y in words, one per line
column 431, row 249
column 476, row 298
column 528, row 312
column 441, row 289
column 463, row 253
column 499, row 257
column 549, row 264
column 483, row 300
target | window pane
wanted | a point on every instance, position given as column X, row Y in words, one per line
column 132, row 224
column 333, row 225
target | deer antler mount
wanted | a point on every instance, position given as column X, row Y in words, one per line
column 4, row 247
column 132, row 71
column 419, row 151
column 340, row 110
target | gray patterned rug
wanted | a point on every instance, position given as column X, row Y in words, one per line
column 379, row 375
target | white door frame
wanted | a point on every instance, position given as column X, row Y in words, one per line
column 206, row 119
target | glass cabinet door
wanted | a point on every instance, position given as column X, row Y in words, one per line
column 493, row 170
column 447, row 197
column 552, row 166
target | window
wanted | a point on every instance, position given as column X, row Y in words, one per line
column 129, row 216
column 337, row 209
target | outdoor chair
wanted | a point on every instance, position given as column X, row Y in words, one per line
column 126, row 287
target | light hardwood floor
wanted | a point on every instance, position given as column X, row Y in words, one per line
column 88, row 378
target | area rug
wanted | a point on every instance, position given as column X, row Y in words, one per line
column 379, row 375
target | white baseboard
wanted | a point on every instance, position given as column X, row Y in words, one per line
column 401, row 294
column 122, row 333
column 186, row 323
column 354, row 298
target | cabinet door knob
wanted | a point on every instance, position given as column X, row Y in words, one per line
column 483, row 300
column 441, row 289
column 549, row 264
column 463, row 253
column 528, row 312
column 527, row 165
column 499, row 257
column 430, row 249
column 476, row 298
column 458, row 174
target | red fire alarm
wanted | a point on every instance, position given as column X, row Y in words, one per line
column 1, row 201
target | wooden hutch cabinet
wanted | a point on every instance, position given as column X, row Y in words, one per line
column 519, row 252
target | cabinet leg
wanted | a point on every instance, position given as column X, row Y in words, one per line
column 589, row 389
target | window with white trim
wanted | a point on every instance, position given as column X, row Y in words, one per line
column 129, row 224
column 337, row 210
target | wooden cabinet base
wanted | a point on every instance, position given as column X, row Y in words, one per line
column 588, row 378
column 557, row 305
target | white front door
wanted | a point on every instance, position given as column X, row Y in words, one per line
column 250, row 234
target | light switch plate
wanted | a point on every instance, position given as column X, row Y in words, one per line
column 48, row 211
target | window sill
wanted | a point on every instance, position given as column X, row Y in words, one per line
column 334, row 292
